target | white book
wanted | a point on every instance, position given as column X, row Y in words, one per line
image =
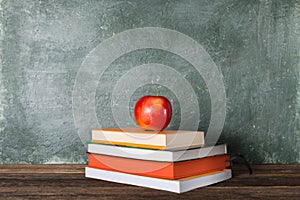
column 163, row 140
column 157, row 155
column 177, row 186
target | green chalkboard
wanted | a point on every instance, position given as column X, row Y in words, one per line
column 255, row 45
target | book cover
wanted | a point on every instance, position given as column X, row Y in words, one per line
column 177, row 186
column 166, row 170
column 163, row 140
column 157, row 155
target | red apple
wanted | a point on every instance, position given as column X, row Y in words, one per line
column 153, row 112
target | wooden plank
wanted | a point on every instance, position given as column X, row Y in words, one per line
column 59, row 168
column 68, row 181
column 144, row 193
column 34, row 169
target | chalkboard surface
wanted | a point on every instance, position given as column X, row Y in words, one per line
column 254, row 44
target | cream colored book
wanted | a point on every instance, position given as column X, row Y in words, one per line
column 177, row 186
column 163, row 140
column 157, row 155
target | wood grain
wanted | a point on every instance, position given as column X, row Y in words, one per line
column 68, row 182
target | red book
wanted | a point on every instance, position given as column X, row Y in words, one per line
column 166, row 170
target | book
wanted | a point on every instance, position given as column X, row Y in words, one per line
column 166, row 170
column 135, row 137
column 157, row 155
column 177, row 186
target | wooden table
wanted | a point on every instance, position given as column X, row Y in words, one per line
column 68, row 182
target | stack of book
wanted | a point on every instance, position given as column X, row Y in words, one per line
column 176, row 161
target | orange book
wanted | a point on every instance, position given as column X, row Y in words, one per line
column 166, row 170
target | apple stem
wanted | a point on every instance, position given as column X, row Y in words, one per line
column 158, row 93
